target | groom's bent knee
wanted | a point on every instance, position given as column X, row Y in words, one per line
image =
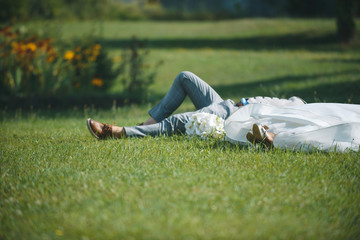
column 185, row 75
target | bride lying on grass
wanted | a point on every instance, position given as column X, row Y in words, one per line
column 285, row 123
column 321, row 126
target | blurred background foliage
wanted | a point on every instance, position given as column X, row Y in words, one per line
column 37, row 63
column 344, row 10
column 32, row 65
column 168, row 9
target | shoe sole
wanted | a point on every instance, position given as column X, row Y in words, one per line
column 257, row 133
column 261, row 137
column 90, row 129
column 250, row 137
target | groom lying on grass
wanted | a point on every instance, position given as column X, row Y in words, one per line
column 205, row 99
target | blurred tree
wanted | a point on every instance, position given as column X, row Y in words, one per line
column 22, row 10
column 345, row 19
column 10, row 9
column 310, row 8
column 43, row 8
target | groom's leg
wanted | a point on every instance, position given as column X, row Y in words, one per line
column 185, row 84
column 169, row 126
column 176, row 123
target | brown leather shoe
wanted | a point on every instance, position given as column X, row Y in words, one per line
column 99, row 130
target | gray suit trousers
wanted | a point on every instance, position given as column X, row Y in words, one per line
column 204, row 97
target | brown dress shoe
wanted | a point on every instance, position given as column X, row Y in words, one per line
column 99, row 130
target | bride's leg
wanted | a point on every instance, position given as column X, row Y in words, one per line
column 260, row 135
column 185, row 84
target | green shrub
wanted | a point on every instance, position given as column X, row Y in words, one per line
column 88, row 69
column 137, row 74
column 33, row 66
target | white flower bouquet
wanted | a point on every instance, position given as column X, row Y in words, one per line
column 206, row 126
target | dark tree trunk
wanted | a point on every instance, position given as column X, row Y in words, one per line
column 345, row 20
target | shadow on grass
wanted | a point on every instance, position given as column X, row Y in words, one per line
column 350, row 61
column 104, row 101
column 306, row 40
column 342, row 92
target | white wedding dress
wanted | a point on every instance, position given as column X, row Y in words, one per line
column 321, row 126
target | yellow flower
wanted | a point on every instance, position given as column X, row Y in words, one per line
column 69, row 55
column 15, row 46
column 98, row 82
column 31, row 46
column 96, row 53
column 44, row 44
column 22, row 47
column 97, row 47
column 50, row 58
column 78, row 57
column 92, row 58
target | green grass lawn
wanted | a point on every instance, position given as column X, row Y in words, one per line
column 57, row 182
